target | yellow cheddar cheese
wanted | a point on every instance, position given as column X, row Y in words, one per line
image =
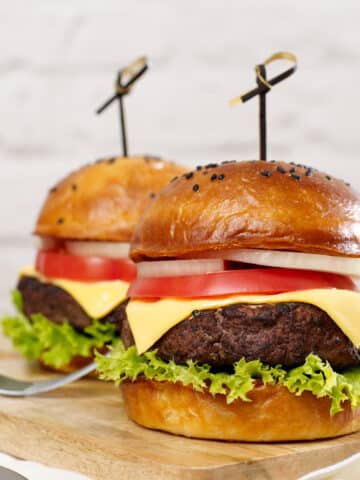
column 96, row 298
column 150, row 320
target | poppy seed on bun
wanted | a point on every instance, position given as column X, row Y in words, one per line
column 251, row 204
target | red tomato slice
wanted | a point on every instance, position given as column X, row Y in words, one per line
column 58, row 264
column 257, row 280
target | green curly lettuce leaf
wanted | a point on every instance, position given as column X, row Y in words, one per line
column 55, row 344
column 315, row 376
column 318, row 377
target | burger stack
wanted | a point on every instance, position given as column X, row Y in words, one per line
column 72, row 300
column 243, row 321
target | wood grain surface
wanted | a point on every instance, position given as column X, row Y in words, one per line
column 84, row 428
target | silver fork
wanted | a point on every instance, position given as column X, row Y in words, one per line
column 11, row 387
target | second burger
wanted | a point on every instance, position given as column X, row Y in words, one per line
column 72, row 300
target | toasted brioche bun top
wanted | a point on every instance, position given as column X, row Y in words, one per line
column 252, row 204
column 104, row 200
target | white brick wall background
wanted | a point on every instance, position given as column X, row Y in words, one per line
column 58, row 63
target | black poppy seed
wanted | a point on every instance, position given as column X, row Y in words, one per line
column 195, row 187
column 292, row 163
column 221, row 176
column 347, row 184
column 292, row 170
column 266, row 173
column 60, row 220
column 272, row 161
column 53, row 189
column 308, row 172
column 327, row 177
column 280, row 169
column 74, row 187
column 111, row 160
column 211, row 165
column 173, row 179
column 199, row 167
column 188, row 175
column 225, row 162
column 213, row 176
column 195, row 313
column 152, row 195
column 295, row 177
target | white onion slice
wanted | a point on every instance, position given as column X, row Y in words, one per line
column 47, row 243
column 303, row 261
column 98, row 249
column 176, row 268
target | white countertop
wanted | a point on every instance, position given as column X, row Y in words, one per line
column 35, row 471
column 348, row 469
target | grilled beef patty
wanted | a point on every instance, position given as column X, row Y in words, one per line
column 283, row 333
column 59, row 306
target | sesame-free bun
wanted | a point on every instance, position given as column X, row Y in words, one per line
column 273, row 414
column 252, row 204
column 75, row 364
column 104, row 200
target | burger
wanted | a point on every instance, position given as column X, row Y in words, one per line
column 71, row 302
column 244, row 321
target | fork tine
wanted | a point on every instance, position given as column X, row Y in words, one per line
column 52, row 384
column 12, row 383
column 11, row 387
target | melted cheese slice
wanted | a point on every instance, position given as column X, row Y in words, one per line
column 150, row 320
column 96, row 298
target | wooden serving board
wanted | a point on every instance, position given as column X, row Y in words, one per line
column 84, row 428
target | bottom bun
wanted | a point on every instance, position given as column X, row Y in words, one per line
column 273, row 415
column 76, row 363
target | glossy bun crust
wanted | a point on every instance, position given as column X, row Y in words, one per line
column 273, row 415
column 75, row 364
column 104, row 200
column 253, row 204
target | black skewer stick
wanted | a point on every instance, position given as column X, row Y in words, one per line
column 262, row 113
column 122, row 89
column 263, row 87
column 123, row 126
